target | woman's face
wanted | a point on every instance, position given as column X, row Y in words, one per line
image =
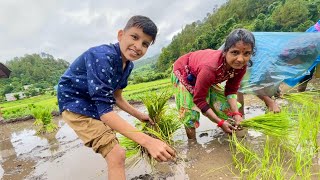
column 238, row 55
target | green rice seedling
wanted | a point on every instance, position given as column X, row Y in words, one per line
column 305, row 142
column 36, row 113
column 43, row 118
column 304, row 107
column 244, row 158
column 277, row 125
column 132, row 148
column 307, row 98
column 165, row 119
column 253, row 164
column 273, row 160
column 294, row 134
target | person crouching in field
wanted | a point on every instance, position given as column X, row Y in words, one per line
column 93, row 84
column 195, row 74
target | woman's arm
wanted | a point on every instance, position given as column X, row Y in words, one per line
column 226, row 127
column 237, row 116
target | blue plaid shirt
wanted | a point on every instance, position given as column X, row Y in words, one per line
column 88, row 85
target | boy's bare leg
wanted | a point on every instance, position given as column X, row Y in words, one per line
column 116, row 163
column 191, row 133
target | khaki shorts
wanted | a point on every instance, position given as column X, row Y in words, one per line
column 94, row 133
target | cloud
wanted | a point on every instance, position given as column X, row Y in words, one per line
column 65, row 29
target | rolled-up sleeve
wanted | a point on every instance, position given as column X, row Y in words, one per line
column 100, row 70
column 201, row 89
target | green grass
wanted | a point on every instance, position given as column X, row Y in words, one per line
column 41, row 99
column 21, row 108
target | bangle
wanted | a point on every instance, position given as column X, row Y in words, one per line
column 234, row 113
column 220, row 123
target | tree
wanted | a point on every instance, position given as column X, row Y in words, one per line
column 284, row 17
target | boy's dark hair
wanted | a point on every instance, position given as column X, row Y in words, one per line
column 145, row 23
column 240, row 35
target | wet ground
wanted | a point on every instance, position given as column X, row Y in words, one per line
column 62, row 156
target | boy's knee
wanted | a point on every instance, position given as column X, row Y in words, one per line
column 116, row 156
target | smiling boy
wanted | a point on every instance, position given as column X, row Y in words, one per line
column 94, row 82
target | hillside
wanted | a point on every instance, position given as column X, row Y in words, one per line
column 145, row 61
column 255, row 15
column 40, row 70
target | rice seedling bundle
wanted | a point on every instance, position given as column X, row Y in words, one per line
column 278, row 125
column 43, row 118
column 165, row 119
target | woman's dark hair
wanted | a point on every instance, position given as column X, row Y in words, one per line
column 145, row 23
column 240, row 35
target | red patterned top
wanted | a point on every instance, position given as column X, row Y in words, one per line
column 209, row 68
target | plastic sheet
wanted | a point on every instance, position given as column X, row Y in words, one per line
column 280, row 56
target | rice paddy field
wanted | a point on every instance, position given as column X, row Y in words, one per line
column 21, row 108
column 270, row 146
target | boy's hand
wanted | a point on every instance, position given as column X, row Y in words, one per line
column 145, row 117
column 159, row 150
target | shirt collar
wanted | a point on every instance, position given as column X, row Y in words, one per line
column 119, row 60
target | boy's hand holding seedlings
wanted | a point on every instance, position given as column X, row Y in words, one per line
column 159, row 150
column 145, row 118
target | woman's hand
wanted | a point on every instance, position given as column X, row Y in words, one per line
column 237, row 120
column 227, row 127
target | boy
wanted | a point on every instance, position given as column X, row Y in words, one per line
column 91, row 86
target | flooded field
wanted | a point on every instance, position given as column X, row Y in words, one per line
column 61, row 155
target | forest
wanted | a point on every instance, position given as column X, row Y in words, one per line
column 43, row 70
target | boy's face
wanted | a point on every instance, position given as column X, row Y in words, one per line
column 133, row 43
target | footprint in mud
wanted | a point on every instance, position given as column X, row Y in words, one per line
column 143, row 177
column 203, row 134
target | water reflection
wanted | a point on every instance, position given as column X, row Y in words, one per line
column 26, row 155
column 12, row 165
column 21, row 147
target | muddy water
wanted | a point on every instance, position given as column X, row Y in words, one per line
column 25, row 155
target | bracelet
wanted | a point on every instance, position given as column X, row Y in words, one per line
column 220, row 123
column 234, row 113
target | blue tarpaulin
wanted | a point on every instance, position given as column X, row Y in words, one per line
column 295, row 81
column 280, row 56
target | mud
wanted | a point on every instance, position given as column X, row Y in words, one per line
column 61, row 155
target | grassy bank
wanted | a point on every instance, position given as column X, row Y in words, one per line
column 21, row 108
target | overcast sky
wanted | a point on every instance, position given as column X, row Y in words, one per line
column 66, row 28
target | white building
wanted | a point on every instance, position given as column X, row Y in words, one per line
column 10, row 96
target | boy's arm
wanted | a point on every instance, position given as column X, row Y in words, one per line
column 124, row 105
column 157, row 149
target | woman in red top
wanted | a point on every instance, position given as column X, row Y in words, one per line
column 196, row 73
